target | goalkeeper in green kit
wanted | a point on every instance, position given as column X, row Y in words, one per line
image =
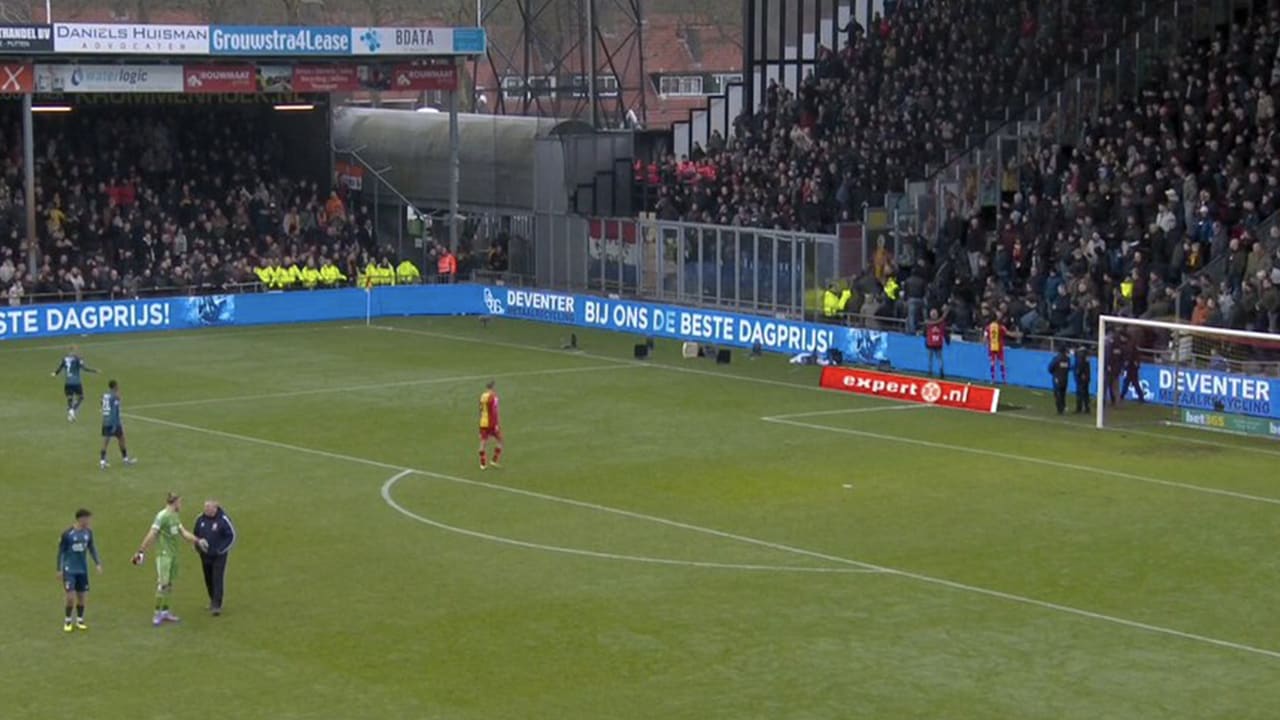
column 166, row 530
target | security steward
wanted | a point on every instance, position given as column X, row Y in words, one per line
column 215, row 526
column 1060, row 369
column 1084, row 377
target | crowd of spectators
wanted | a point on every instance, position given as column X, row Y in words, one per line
column 894, row 101
column 167, row 199
column 1158, row 211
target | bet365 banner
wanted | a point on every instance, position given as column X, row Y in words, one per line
column 689, row 324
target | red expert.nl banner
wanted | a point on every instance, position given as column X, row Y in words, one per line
column 219, row 79
column 912, row 389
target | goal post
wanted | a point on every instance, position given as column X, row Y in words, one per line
column 1151, row 372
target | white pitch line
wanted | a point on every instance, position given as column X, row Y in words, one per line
column 380, row 386
column 919, row 577
column 1027, row 459
column 503, row 488
column 851, row 411
column 386, row 496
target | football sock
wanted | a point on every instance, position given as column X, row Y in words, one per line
column 497, row 454
column 76, row 404
column 124, row 453
column 103, row 455
column 483, row 462
column 68, row 617
column 80, row 611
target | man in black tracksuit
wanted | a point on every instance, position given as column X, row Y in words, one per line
column 1060, row 369
column 1084, row 377
column 215, row 526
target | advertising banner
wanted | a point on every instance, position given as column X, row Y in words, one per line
column 905, row 388
column 16, row 79
column 219, row 79
column 417, row 41
column 26, row 38
column 1209, row 390
column 325, row 78
column 419, row 78
column 275, row 78
column 109, row 78
column 689, row 324
column 120, row 39
column 350, row 174
column 180, row 313
column 105, row 317
column 279, row 41
column 1242, row 425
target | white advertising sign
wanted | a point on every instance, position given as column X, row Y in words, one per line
column 119, row 39
column 108, row 78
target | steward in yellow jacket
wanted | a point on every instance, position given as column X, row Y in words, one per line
column 310, row 275
column 407, row 273
column 834, row 303
column 330, row 275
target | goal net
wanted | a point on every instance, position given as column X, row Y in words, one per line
column 1168, row 374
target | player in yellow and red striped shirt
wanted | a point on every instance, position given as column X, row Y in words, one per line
column 489, row 426
column 995, row 334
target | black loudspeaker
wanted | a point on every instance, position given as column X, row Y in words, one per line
column 642, row 351
column 722, row 357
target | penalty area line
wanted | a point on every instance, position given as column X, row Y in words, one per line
column 918, row 577
column 598, row 554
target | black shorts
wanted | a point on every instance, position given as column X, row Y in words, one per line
column 76, row 389
column 75, row 582
column 115, row 431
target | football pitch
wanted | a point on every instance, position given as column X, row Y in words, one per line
column 667, row 539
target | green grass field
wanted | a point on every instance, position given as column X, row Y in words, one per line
column 669, row 539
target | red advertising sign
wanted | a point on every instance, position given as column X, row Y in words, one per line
column 17, row 79
column 219, row 79
column 417, row 78
column 325, row 78
column 912, row 389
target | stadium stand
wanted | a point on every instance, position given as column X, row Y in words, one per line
column 900, row 96
column 180, row 201
column 1166, row 206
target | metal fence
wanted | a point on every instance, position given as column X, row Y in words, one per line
column 748, row 269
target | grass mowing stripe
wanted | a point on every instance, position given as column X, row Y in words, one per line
column 379, row 386
column 894, row 438
column 391, row 501
column 1024, row 458
column 927, row 579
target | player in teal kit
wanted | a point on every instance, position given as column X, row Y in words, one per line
column 74, row 550
column 112, row 426
column 73, row 365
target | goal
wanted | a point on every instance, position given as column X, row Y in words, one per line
column 1159, row 373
